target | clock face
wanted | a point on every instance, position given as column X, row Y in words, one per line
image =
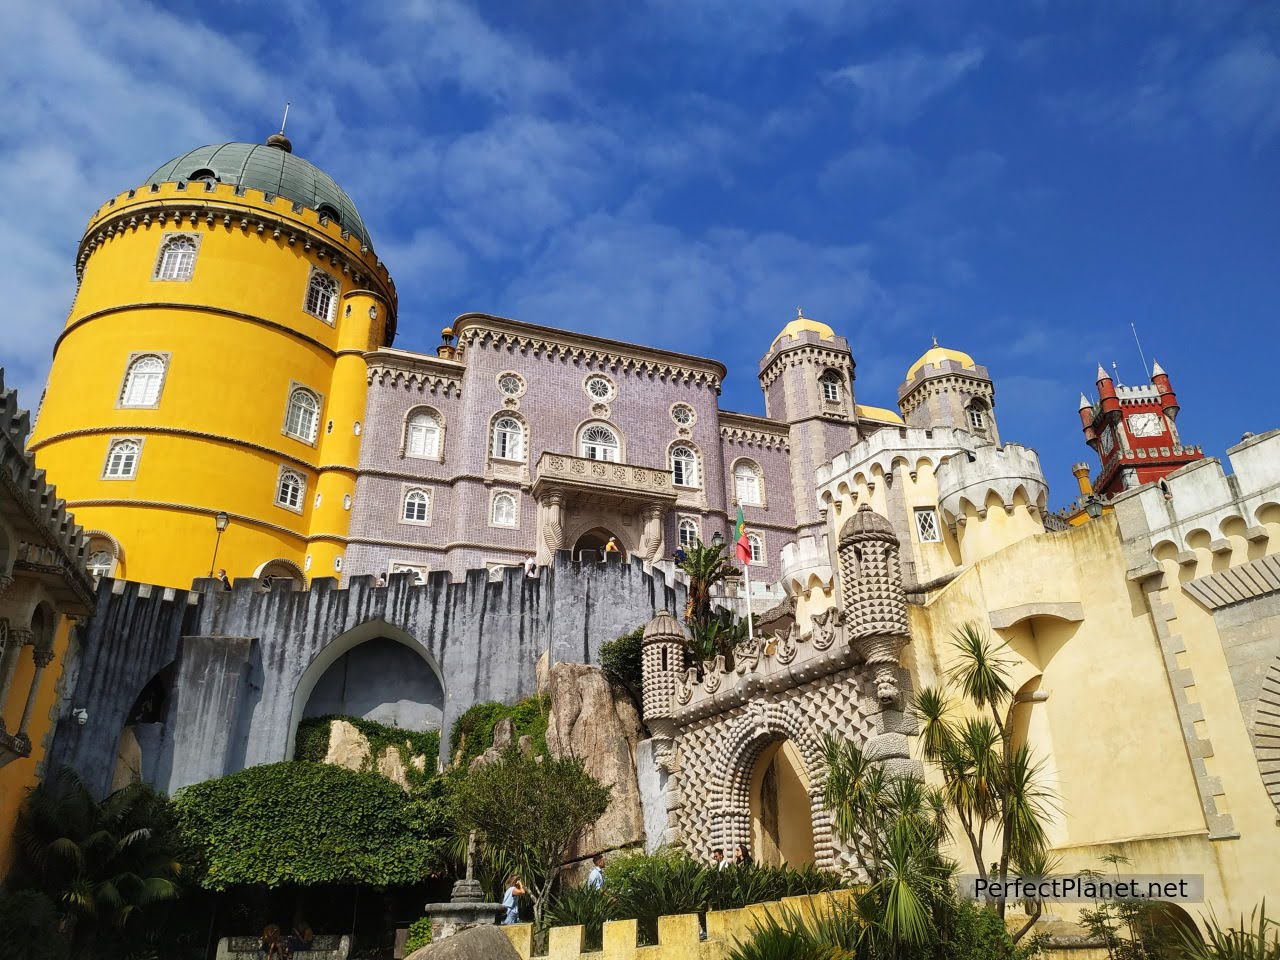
column 1108, row 440
column 1146, row 424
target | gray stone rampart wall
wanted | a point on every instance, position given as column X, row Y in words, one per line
column 245, row 659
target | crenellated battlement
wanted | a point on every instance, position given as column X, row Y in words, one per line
column 806, row 564
column 876, row 454
column 1011, row 473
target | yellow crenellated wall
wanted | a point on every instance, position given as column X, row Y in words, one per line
column 236, row 339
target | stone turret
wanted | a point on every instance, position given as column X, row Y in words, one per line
column 662, row 665
column 873, row 602
column 973, row 483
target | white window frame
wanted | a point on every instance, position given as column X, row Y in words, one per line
column 586, row 448
column 119, row 473
column 693, row 414
column 757, row 476
column 515, row 509
column 977, row 413
column 428, row 502
column 688, row 483
column 301, row 486
column 522, row 442
column 304, row 434
column 432, row 415
column 130, row 383
column 421, row 570
column 520, row 383
column 682, row 525
column 759, row 557
column 174, row 267
column 831, row 382
column 332, row 289
column 924, row 516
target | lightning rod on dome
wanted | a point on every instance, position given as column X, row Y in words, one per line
column 285, row 118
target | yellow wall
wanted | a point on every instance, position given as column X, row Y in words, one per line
column 237, row 339
column 19, row 776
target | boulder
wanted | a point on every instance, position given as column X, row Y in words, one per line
column 598, row 723
column 348, row 747
column 478, row 943
column 391, row 765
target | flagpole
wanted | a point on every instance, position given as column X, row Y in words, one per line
column 746, row 572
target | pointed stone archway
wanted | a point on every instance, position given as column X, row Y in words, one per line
column 594, row 540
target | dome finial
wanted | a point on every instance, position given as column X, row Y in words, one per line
column 279, row 140
column 935, row 341
column 799, row 314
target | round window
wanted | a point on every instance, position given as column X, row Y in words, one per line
column 510, row 384
column 682, row 414
column 599, row 388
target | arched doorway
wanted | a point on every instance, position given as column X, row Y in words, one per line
column 275, row 570
column 594, row 540
column 141, row 746
column 781, row 813
column 376, row 671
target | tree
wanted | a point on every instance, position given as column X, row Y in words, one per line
column 304, row 824
column 104, row 864
column 714, row 632
column 529, row 809
column 995, row 790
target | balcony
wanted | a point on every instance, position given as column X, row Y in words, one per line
column 602, row 481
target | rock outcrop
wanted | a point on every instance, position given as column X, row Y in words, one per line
column 478, row 943
column 598, row 723
column 350, row 748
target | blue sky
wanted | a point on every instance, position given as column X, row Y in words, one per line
column 1022, row 180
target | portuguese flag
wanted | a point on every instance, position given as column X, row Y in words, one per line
column 740, row 541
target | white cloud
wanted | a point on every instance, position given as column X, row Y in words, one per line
column 894, row 89
column 1239, row 90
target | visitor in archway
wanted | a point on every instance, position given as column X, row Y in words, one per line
column 611, row 546
column 511, row 899
column 742, row 856
column 718, row 861
column 595, row 879
column 224, row 579
column 679, row 556
column 531, row 566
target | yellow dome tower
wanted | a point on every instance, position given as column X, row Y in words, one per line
column 205, row 402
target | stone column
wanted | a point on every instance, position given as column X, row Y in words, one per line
column 42, row 659
column 13, row 641
column 552, row 524
column 651, row 541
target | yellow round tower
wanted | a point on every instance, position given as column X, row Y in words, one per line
column 205, row 402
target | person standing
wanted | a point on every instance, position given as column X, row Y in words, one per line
column 224, row 579
column 530, row 566
column 595, row 879
column 742, row 856
column 511, row 899
column 718, row 861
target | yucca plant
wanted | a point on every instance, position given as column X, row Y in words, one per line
column 648, row 887
column 1259, row 939
column 833, row 934
column 585, row 906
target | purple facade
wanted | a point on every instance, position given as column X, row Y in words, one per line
column 522, row 440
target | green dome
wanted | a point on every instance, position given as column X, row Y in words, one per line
column 272, row 169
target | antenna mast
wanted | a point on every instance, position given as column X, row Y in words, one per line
column 1146, row 371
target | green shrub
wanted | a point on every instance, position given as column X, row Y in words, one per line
column 585, row 906
column 473, row 731
column 833, row 934
column 419, row 935
column 310, row 823
column 1257, row 939
column 29, row 920
column 977, row 932
column 648, row 887
column 621, row 659
column 312, row 744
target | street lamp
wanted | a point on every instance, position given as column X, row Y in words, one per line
column 1093, row 507
column 220, row 521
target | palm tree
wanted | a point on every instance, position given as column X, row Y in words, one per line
column 713, row 631
column 103, row 863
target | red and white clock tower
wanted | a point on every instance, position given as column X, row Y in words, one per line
column 1133, row 430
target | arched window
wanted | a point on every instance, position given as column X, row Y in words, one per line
column 684, row 466
column 303, row 415
column 322, row 295
column 142, row 381
column 688, row 533
column 422, row 435
column 756, row 543
column 746, row 484
column 290, row 489
column 508, row 439
column 503, row 513
column 122, row 460
column 103, row 556
column 329, row 213
column 978, row 416
column 177, row 257
column 599, row 443
column 417, row 505
column 831, row 382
